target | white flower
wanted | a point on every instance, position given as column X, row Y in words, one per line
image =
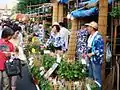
column 72, row 18
column 83, row 70
column 41, row 68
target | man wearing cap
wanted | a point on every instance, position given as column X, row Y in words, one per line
column 95, row 52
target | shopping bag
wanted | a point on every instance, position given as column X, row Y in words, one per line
column 108, row 53
column 13, row 67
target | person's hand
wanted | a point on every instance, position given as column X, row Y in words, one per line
column 89, row 54
column 84, row 55
column 45, row 46
column 7, row 54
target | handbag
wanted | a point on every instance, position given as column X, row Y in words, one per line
column 108, row 53
column 13, row 67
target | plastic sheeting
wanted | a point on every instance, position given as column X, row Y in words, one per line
column 63, row 1
column 89, row 1
column 92, row 1
column 80, row 13
column 84, row 13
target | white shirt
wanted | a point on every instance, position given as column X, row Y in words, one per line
column 90, row 39
column 0, row 31
column 65, row 33
column 20, row 37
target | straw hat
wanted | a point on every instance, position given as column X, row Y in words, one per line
column 40, row 25
column 92, row 24
column 55, row 23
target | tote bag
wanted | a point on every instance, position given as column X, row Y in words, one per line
column 13, row 67
column 108, row 53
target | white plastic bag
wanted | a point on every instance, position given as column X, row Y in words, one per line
column 108, row 53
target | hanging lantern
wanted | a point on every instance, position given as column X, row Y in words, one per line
column 68, row 16
column 72, row 18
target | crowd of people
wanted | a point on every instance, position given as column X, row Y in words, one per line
column 11, row 43
column 90, row 44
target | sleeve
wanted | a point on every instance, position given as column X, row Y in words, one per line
column 62, row 42
column 98, row 48
column 21, row 38
column 12, row 49
column 49, row 41
column 69, row 32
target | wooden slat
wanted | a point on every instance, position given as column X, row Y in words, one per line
column 114, row 45
column 118, row 76
column 37, row 5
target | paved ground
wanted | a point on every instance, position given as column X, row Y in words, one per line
column 25, row 83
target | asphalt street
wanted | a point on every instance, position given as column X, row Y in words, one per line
column 25, row 83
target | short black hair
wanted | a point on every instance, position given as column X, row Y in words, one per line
column 57, row 27
column 7, row 32
column 62, row 24
column 16, row 28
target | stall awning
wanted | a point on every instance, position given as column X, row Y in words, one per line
column 63, row 1
column 82, row 12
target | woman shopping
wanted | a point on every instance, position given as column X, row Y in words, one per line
column 56, row 39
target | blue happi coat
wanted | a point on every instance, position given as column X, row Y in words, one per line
column 97, row 49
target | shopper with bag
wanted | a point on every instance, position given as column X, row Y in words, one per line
column 16, row 59
column 95, row 52
column 6, row 49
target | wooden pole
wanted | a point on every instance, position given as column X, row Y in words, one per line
column 60, row 16
column 44, row 22
column 103, row 12
column 55, row 12
column 72, row 42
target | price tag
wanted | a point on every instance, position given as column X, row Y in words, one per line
column 46, row 51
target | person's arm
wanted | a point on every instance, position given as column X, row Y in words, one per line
column 62, row 43
column 49, row 41
column 98, row 48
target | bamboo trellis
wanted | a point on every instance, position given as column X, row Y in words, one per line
column 116, row 23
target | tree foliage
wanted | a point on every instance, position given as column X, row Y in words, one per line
column 115, row 12
column 22, row 5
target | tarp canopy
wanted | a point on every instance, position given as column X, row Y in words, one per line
column 63, row 1
column 84, row 13
column 80, row 13
column 93, row 1
column 88, row 1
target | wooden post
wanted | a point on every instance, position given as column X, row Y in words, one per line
column 72, row 42
column 60, row 15
column 103, row 12
column 55, row 12
column 114, row 42
column 44, row 22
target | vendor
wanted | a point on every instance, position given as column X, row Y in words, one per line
column 56, row 39
column 95, row 52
